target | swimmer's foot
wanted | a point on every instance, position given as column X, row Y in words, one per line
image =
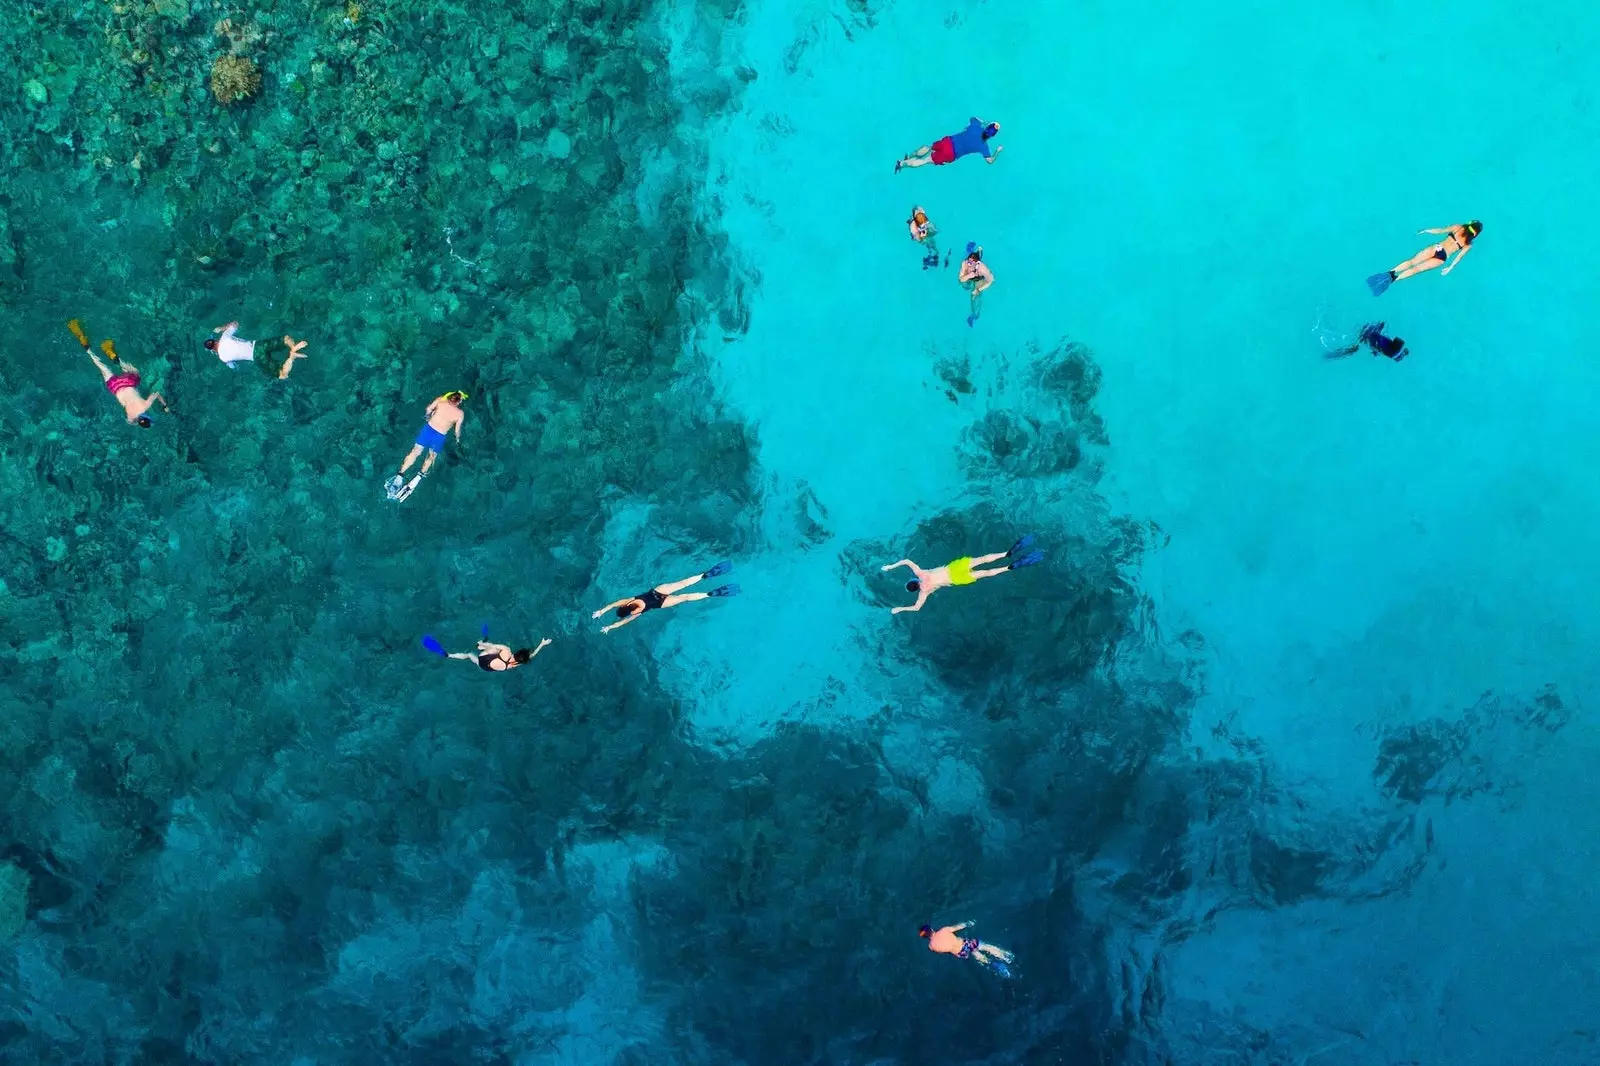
column 1379, row 283
column 1023, row 542
column 724, row 590
column 1033, row 558
column 718, row 570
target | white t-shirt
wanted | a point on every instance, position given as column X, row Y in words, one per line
column 231, row 349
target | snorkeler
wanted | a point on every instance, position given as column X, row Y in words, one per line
column 663, row 596
column 961, row 572
column 496, row 658
column 123, row 387
column 442, row 416
column 972, row 140
column 947, row 942
column 233, row 351
column 1458, row 239
column 923, row 232
column 1373, row 337
column 975, row 276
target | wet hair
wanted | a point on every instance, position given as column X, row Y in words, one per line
column 919, row 213
column 913, row 585
column 211, row 344
column 990, row 130
column 925, row 932
column 1473, row 229
column 143, row 422
column 629, row 609
column 522, row 655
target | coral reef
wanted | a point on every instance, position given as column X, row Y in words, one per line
column 234, row 78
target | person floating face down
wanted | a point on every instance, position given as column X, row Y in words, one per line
column 923, row 231
column 123, row 385
column 962, row 572
column 946, row 942
column 975, row 276
column 499, row 657
column 1373, row 337
column 233, row 351
column 974, row 140
column 1457, row 241
column 664, row 596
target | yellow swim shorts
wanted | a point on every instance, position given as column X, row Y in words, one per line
column 961, row 571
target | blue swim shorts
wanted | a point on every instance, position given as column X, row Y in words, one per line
column 430, row 438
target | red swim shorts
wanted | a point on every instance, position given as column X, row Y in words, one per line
column 119, row 382
column 944, row 151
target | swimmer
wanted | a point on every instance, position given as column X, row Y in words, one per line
column 961, row 572
column 947, row 942
column 497, row 658
column 664, row 596
column 972, row 140
column 1458, row 240
column 923, row 232
column 124, row 387
column 1373, row 337
column 233, row 351
column 975, row 277
column 442, row 416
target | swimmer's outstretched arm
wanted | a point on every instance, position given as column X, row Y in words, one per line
column 902, row 562
column 611, row 607
column 1441, row 229
column 922, row 598
column 620, row 622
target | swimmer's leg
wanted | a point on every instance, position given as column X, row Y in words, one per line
column 105, row 371
column 668, row 590
column 985, row 948
column 920, row 158
column 427, row 464
column 411, row 457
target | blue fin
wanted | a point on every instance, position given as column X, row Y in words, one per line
column 972, row 320
column 1000, row 968
column 484, row 629
column 724, row 590
column 1378, row 283
column 433, row 645
column 1024, row 541
column 1035, row 556
column 718, row 570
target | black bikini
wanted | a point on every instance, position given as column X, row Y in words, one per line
column 651, row 599
column 487, row 658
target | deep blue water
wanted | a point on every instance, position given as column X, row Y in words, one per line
column 1280, row 757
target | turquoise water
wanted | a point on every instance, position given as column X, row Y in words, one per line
column 1281, row 757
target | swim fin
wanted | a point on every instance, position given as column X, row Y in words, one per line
column 724, row 590
column 110, row 349
column 718, row 570
column 1033, row 557
column 1024, row 541
column 1000, row 968
column 484, row 629
column 972, row 320
column 1379, row 283
column 391, row 488
column 77, row 331
column 433, row 645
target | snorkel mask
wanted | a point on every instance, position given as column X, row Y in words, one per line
column 454, row 397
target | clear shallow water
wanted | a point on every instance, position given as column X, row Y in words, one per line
column 1225, row 773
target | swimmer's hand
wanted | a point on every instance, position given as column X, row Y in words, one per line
column 225, row 328
column 598, row 613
